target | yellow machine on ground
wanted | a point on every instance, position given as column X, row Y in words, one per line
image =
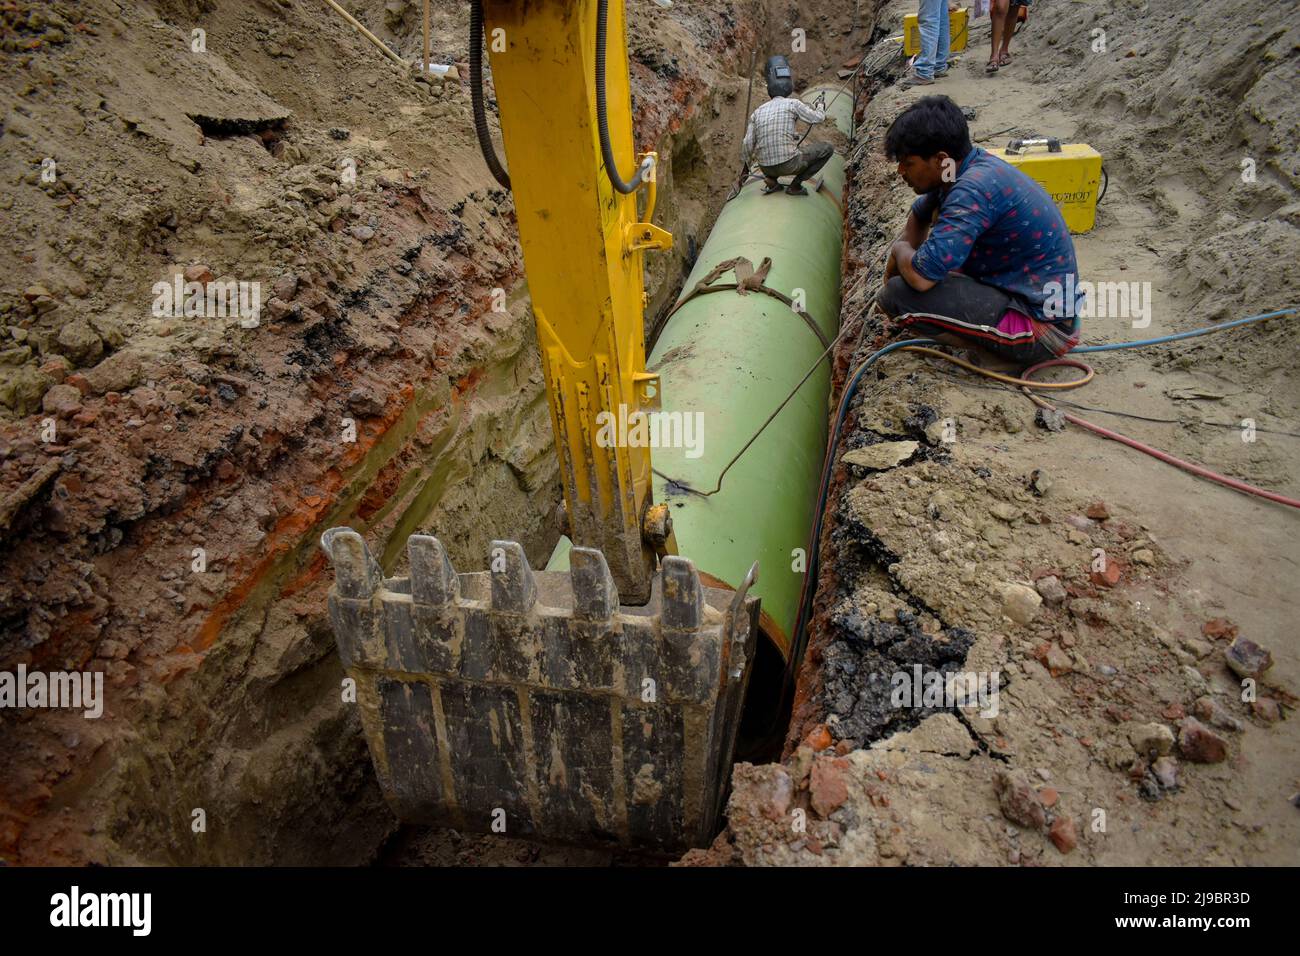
column 1070, row 172
column 958, row 32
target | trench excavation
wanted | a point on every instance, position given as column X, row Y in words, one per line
column 168, row 471
column 467, row 452
column 797, row 242
column 783, row 254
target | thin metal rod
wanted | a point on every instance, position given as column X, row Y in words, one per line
column 425, row 67
column 367, row 34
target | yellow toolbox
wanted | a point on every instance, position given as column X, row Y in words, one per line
column 957, row 20
column 1071, row 174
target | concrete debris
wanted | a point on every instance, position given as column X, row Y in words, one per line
column 1151, row 740
column 1051, row 590
column 881, row 456
column 1212, row 712
column 1020, row 602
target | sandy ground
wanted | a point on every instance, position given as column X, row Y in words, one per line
column 1091, row 758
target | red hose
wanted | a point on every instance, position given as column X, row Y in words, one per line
column 1157, row 453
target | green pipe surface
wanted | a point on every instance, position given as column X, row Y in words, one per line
column 839, row 105
column 731, row 360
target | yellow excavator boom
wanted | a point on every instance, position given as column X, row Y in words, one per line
column 583, row 243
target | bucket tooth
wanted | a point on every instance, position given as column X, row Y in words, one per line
column 356, row 573
column 433, row 579
column 357, row 577
column 690, row 665
column 683, row 597
column 738, row 625
column 537, row 695
column 514, row 589
column 595, row 595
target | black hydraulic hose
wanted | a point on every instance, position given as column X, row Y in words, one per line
column 476, row 94
column 602, row 114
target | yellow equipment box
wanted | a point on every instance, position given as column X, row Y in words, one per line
column 1071, row 174
column 957, row 33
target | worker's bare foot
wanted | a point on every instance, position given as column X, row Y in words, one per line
column 796, row 190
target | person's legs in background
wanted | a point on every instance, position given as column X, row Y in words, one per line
column 1008, row 31
column 928, row 15
column 943, row 49
column 998, row 17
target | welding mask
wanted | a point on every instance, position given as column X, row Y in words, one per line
column 779, row 76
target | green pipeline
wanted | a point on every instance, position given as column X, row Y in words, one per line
column 726, row 361
column 836, row 101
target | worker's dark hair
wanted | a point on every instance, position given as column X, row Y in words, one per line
column 931, row 125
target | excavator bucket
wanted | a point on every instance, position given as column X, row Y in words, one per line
column 533, row 704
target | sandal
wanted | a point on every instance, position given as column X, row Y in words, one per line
column 991, row 67
column 1004, row 60
column 768, row 190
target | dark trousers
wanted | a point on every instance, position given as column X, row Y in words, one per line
column 808, row 160
column 971, row 310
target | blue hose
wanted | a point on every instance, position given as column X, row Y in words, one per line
column 1183, row 335
column 796, row 650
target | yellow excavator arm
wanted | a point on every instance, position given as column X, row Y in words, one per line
column 560, row 72
column 598, row 704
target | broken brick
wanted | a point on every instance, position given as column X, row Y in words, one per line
column 1063, row 834
column 1107, row 578
column 1199, row 743
column 1267, row 709
column 1098, row 511
column 819, row 738
column 1018, row 800
column 1219, row 629
column 826, row 787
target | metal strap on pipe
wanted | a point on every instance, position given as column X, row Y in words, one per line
column 744, row 285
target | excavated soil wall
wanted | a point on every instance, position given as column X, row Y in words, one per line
column 381, row 390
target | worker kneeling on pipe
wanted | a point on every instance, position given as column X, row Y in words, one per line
column 770, row 138
column 983, row 249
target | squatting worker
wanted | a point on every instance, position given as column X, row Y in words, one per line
column 984, row 247
column 771, row 141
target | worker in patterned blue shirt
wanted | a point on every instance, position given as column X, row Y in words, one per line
column 985, row 253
